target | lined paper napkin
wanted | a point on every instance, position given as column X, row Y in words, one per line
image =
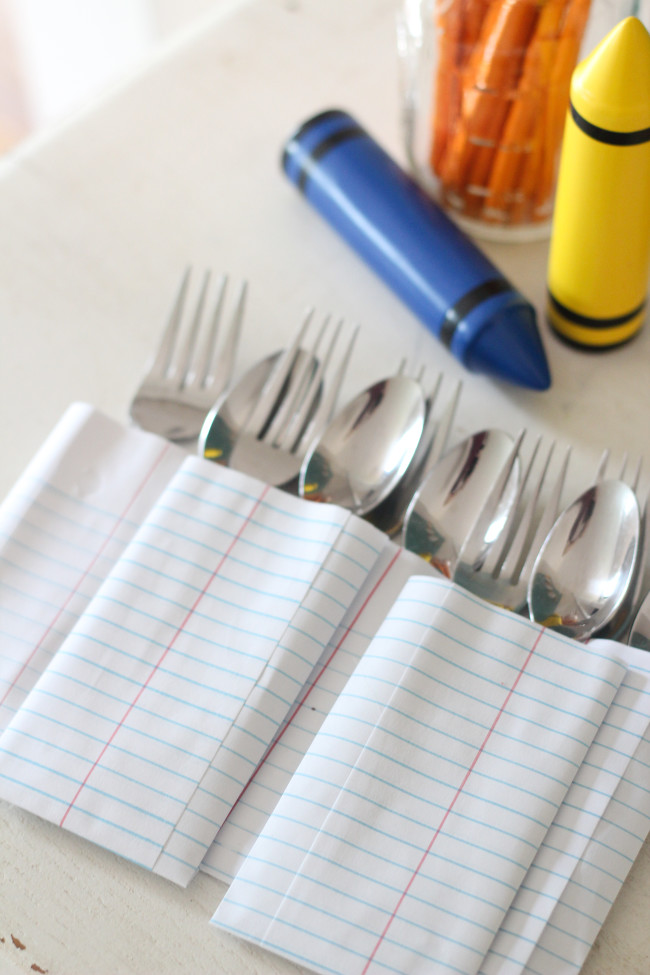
column 592, row 843
column 164, row 681
column 62, row 528
column 201, row 672
column 409, row 825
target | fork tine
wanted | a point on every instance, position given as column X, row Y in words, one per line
column 515, row 535
column 325, row 408
column 305, row 381
column 549, row 515
column 439, row 435
column 163, row 356
column 203, row 351
column 503, row 577
column 602, row 465
column 634, row 481
column 523, row 550
column 222, row 370
column 422, row 459
column 179, row 366
column 305, row 403
column 262, row 410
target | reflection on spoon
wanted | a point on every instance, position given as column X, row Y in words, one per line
column 367, row 447
column 446, row 506
column 587, row 562
column 640, row 632
column 226, row 420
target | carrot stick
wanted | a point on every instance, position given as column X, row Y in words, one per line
column 449, row 27
column 458, row 26
column 518, row 155
column 492, row 73
column 566, row 58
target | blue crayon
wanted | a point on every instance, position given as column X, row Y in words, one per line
column 416, row 249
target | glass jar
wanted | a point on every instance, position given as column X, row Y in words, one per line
column 485, row 91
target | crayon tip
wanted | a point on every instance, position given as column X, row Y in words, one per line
column 611, row 87
column 510, row 348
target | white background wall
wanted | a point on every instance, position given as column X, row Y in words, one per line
column 56, row 54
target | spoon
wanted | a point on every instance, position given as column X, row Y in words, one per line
column 621, row 621
column 448, row 503
column 640, row 632
column 367, row 447
column 226, row 420
column 586, row 564
column 389, row 514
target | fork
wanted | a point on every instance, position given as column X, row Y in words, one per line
column 499, row 571
column 289, row 414
column 186, row 376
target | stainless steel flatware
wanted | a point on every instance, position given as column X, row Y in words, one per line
column 365, row 450
column 500, row 570
column 586, row 565
column 389, row 514
column 617, row 627
column 640, row 630
column 446, row 506
column 188, row 372
column 264, row 425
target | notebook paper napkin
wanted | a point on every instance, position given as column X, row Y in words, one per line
column 414, row 816
column 347, row 645
column 592, row 843
column 63, row 526
column 158, row 697
column 198, row 671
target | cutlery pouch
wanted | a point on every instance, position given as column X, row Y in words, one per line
column 63, row 525
column 158, row 705
column 415, row 814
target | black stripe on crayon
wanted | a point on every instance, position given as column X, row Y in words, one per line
column 317, row 153
column 309, row 160
column 588, row 347
column 588, row 322
column 609, row 136
column 306, row 127
column 315, row 120
column 466, row 304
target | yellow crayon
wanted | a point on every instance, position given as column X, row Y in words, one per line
column 600, row 242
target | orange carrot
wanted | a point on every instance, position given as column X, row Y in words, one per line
column 458, row 25
column 449, row 25
column 566, row 58
column 492, row 74
column 518, row 155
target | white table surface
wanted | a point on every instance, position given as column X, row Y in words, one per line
column 97, row 220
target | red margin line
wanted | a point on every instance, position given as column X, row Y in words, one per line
column 452, row 804
column 169, row 646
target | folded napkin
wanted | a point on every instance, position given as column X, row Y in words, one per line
column 141, row 700
column 63, row 526
column 597, row 833
column 410, row 824
column 202, row 672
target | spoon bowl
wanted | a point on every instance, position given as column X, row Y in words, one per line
column 367, row 447
column 221, row 437
column 446, row 506
column 586, row 565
